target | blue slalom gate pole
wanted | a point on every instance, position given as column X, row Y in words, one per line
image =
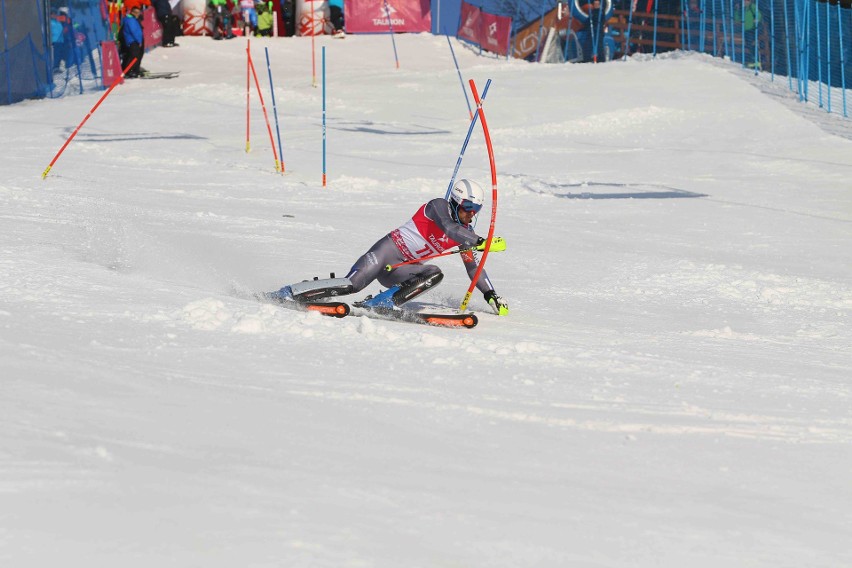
column 787, row 40
column 455, row 61
column 323, row 116
column 466, row 140
column 842, row 58
column 275, row 111
column 393, row 39
column 626, row 40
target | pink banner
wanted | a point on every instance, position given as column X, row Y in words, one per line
column 151, row 28
column 486, row 30
column 110, row 63
column 371, row 16
column 469, row 28
column 495, row 33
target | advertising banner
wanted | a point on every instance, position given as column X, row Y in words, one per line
column 469, row 28
column 494, row 33
column 485, row 30
column 371, row 16
column 152, row 29
column 195, row 21
column 111, row 63
column 527, row 40
column 313, row 18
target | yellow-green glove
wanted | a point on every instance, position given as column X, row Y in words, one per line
column 497, row 245
column 498, row 304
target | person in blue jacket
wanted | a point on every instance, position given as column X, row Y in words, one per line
column 132, row 42
column 335, row 8
column 58, row 32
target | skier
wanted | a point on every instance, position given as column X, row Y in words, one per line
column 438, row 225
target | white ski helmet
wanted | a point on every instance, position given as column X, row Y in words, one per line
column 468, row 195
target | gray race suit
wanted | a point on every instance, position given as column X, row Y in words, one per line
column 430, row 231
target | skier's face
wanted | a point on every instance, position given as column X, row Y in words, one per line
column 465, row 216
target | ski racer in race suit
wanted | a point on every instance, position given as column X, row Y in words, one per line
column 437, row 226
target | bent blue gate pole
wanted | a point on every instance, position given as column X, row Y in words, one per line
column 275, row 111
column 455, row 61
column 467, row 139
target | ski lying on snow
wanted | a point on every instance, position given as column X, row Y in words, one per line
column 163, row 75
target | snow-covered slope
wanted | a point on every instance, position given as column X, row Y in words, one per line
column 671, row 388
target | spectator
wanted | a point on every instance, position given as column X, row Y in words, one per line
column 288, row 16
column 59, row 29
column 130, row 4
column 249, row 16
column 748, row 15
column 131, row 42
column 336, row 9
column 264, row 20
column 168, row 21
column 221, row 19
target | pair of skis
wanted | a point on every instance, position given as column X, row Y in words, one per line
column 339, row 309
column 163, row 75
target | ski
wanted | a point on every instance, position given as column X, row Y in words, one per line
column 468, row 320
column 332, row 309
column 163, row 75
column 339, row 309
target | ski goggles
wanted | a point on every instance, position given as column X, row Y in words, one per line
column 470, row 206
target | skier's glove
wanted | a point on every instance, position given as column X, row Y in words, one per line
column 497, row 245
column 498, row 304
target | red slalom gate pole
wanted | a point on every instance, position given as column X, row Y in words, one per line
column 248, row 89
column 91, row 112
column 265, row 116
column 490, row 237
column 313, row 48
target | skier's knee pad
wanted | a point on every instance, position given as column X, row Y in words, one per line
column 311, row 290
column 416, row 285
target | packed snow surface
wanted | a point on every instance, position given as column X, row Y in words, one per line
column 671, row 387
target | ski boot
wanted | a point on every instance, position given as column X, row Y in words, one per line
column 396, row 296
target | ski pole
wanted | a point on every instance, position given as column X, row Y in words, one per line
column 391, row 267
column 91, row 112
column 467, row 139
